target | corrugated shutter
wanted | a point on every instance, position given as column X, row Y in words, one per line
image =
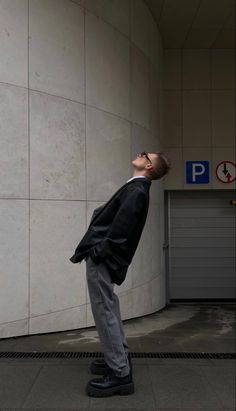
column 202, row 245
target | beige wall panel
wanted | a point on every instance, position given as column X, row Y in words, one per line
column 115, row 12
column 162, row 236
column 14, row 142
column 68, row 319
column 14, row 274
column 127, row 284
column 223, row 69
column 161, row 112
column 142, row 140
column 140, row 22
column 107, row 79
column 141, row 268
column 223, row 118
column 148, row 254
column 155, row 46
column 87, row 292
column 57, row 149
column 158, row 292
column 196, row 119
column 208, row 115
column 56, row 228
column 56, row 48
column 108, row 153
column 219, row 155
column 196, row 69
column 14, row 42
column 89, row 318
column 142, row 303
column 172, row 69
column 175, row 178
column 156, row 231
column 140, row 109
column 201, row 154
column 154, row 102
column 172, row 107
column 79, row 2
column 74, row 165
column 14, row 328
column 126, row 305
column 156, row 192
column 90, row 207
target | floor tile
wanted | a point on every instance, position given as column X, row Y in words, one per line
column 15, row 382
column 182, row 387
column 222, row 381
column 59, row 387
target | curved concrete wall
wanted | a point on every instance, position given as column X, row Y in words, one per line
column 80, row 91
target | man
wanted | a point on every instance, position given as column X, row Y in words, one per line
column 108, row 247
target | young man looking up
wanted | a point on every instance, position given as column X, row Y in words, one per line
column 108, row 247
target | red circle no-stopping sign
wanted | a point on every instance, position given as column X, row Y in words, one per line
column 226, row 171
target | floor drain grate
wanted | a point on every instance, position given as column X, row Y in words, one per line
column 69, row 354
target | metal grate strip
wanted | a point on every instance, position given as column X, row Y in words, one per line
column 68, row 354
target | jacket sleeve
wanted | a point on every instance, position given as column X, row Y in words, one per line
column 122, row 226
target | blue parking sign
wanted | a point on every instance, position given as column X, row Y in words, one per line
column 197, row 172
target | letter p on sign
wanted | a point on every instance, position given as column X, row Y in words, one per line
column 197, row 172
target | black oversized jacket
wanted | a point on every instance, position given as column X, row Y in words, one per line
column 115, row 229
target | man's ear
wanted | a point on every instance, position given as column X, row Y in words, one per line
column 149, row 166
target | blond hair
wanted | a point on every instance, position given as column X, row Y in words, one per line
column 161, row 166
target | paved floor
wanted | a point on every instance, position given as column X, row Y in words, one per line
column 160, row 384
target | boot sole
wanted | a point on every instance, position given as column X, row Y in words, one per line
column 126, row 389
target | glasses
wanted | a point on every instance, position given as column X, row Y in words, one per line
column 144, row 154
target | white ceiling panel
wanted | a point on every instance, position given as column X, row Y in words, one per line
column 225, row 39
column 200, row 38
column 212, row 14
column 173, row 38
column 178, row 13
column 155, row 7
column 195, row 23
column 230, row 21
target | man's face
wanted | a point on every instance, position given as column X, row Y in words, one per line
column 142, row 160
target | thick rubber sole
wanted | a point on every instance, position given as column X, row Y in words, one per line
column 124, row 389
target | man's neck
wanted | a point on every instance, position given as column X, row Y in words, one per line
column 137, row 173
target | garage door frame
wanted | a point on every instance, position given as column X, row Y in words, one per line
column 167, row 245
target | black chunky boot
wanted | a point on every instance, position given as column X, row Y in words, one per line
column 110, row 385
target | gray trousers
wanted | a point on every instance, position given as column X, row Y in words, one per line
column 106, row 312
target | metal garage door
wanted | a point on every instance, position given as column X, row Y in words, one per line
column 202, row 253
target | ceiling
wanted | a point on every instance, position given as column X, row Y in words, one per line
column 195, row 23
